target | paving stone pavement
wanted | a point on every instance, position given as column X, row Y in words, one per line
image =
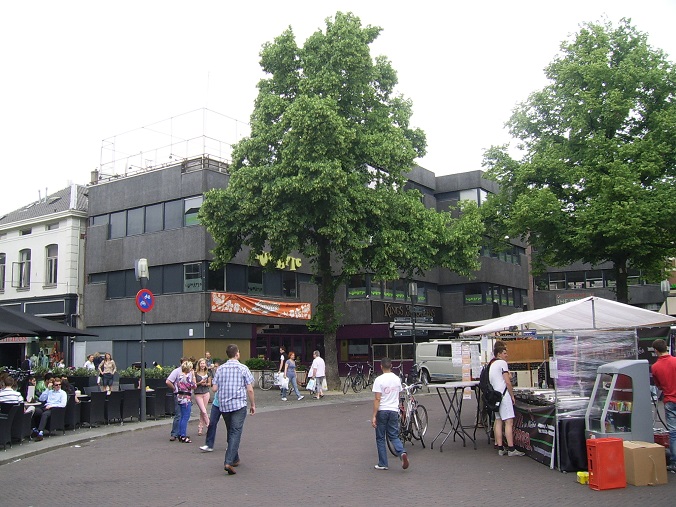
column 308, row 452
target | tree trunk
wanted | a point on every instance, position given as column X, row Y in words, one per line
column 621, row 287
column 326, row 315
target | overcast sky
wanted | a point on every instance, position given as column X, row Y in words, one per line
column 76, row 73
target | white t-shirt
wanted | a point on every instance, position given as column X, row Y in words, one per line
column 320, row 365
column 389, row 387
column 495, row 376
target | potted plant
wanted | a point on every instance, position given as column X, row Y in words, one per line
column 82, row 377
column 258, row 365
column 129, row 375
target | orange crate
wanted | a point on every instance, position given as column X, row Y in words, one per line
column 605, row 462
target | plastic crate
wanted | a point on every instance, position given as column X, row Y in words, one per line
column 605, row 462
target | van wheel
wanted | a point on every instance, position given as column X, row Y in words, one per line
column 424, row 377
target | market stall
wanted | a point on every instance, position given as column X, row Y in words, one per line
column 585, row 334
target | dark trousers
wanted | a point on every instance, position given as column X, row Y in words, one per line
column 41, row 416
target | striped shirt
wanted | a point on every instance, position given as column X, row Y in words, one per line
column 9, row 395
column 232, row 378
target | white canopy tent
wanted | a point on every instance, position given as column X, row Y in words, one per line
column 590, row 313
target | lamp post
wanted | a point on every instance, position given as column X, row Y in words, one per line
column 413, row 292
column 665, row 285
column 142, row 275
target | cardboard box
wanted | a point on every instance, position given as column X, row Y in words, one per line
column 645, row 463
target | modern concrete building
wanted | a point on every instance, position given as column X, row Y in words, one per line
column 42, row 269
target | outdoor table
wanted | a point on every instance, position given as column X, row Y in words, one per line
column 452, row 404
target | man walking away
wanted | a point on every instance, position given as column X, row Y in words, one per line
column 499, row 378
column 385, row 417
column 171, row 384
column 318, row 372
column 664, row 373
column 232, row 383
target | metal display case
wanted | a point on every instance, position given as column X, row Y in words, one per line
column 620, row 402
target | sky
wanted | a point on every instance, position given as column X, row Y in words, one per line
column 110, row 85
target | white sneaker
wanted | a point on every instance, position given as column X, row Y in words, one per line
column 283, row 399
column 206, row 448
column 516, row 453
column 378, row 467
column 301, row 397
column 502, row 452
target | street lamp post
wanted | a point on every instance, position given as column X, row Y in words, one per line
column 413, row 292
column 142, row 275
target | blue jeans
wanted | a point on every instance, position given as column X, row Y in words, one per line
column 234, row 422
column 387, row 422
column 177, row 418
column 294, row 384
column 214, row 417
column 183, row 422
column 670, row 412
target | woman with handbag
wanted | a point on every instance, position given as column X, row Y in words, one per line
column 184, row 387
column 107, row 368
column 290, row 377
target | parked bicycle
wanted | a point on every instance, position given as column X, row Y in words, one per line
column 399, row 371
column 412, row 418
column 418, row 374
column 367, row 378
column 351, row 379
column 266, row 380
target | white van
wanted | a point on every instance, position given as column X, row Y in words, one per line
column 435, row 358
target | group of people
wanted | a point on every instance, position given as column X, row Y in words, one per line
column 287, row 370
column 106, row 367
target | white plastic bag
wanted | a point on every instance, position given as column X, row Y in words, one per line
column 325, row 386
column 278, row 378
column 311, row 384
column 284, row 383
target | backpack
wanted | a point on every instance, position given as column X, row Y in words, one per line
column 492, row 398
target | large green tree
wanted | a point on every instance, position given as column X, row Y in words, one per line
column 323, row 173
column 596, row 177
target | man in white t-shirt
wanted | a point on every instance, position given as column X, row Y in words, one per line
column 318, row 372
column 499, row 377
column 386, row 414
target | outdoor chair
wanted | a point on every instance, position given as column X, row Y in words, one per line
column 113, row 410
column 57, row 420
column 73, row 413
column 6, row 420
column 131, row 402
column 22, row 425
column 155, row 402
column 93, row 409
column 92, row 389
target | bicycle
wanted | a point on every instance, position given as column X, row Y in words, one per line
column 367, row 378
column 412, row 418
column 351, row 379
column 266, row 380
column 399, row 371
column 418, row 374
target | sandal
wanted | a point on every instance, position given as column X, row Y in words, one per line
column 186, row 440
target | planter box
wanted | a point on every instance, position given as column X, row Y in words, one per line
column 128, row 380
column 82, row 382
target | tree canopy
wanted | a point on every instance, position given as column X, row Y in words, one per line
column 596, row 180
column 323, row 172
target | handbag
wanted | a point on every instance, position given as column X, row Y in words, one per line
column 284, row 383
column 311, row 384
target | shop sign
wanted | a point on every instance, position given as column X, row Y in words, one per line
column 236, row 303
column 16, row 339
column 292, row 263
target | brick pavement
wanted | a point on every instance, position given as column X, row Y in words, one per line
column 309, row 452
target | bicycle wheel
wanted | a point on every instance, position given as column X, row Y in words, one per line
column 358, row 383
column 419, row 426
column 266, row 381
column 347, row 383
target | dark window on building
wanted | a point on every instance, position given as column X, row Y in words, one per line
column 173, row 214
column 135, row 221
column 474, row 295
column 289, row 286
column 155, row 281
column 235, row 278
column 100, row 220
column 376, row 289
column 98, row 278
column 192, row 277
column 356, row 286
column 272, row 281
column 216, row 279
column 254, row 283
column 172, row 278
column 118, row 225
column 132, row 285
column 154, row 218
column 192, row 207
column 116, row 283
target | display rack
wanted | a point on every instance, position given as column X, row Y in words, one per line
column 620, row 402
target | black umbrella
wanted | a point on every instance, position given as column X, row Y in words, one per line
column 10, row 330
column 31, row 325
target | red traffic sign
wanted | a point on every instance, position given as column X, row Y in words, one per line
column 145, row 300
